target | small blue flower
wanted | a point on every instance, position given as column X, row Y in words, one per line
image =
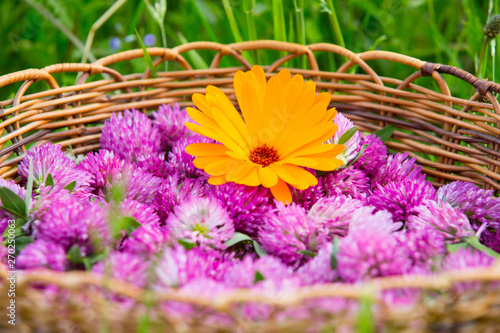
column 115, row 43
column 149, row 40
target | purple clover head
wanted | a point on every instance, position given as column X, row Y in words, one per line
column 319, row 270
column 478, row 204
column 243, row 273
column 104, row 167
column 182, row 162
column 333, row 214
column 371, row 252
column 308, row 197
column 42, row 254
column 289, row 234
column 442, row 217
column 374, row 156
column 246, row 205
column 399, row 168
column 70, row 222
column 467, row 259
column 60, row 223
column 108, row 170
column 426, row 248
column 170, row 121
column 131, row 136
column 146, row 240
column 178, row 266
column 364, row 219
column 401, row 198
column 144, row 214
column 156, row 166
column 347, row 181
column 203, row 221
column 50, row 159
column 124, row 266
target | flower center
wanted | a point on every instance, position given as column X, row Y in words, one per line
column 202, row 229
column 264, row 155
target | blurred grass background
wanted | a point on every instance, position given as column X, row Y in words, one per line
column 37, row 33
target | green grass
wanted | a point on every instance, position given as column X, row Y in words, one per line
column 432, row 30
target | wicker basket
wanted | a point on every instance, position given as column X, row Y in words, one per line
column 460, row 137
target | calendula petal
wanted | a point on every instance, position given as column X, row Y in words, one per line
column 293, row 174
column 217, row 180
column 268, row 177
column 206, row 149
column 202, row 161
column 221, row 166
column 281, row 192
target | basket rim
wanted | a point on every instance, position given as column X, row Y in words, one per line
column 235, row 49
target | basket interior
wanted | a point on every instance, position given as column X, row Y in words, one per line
column 452, row 138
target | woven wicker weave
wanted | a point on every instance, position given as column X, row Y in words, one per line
column 462, row 136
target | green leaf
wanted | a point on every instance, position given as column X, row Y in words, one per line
column 129, row 224
column 238, row 237
column 233, row 25
column 75, row 255
column 259, row 250
column 126, row 223
column 29, row 187
column 348, row 135
column 147, row 57
column 456, row 246
column 87, row 263
column 333, row 255
column 279, row 21
column 12, row 202
column 474, row 242
column 22, row 242
column 71, row 186
column 385, row 133
column 187, row 244
column 258, row 277
column 377, row 42
column 97, row 257
column 307, row 253
column 361, row 151
column 49, row 181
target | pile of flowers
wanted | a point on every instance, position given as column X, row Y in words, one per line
column 205, row 200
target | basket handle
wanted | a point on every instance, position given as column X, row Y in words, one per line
column 483, row 86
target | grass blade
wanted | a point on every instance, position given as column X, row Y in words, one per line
column 234, row 26
column 248, row 6
column 232, row 22
column 147, row 57
column 298, row 6
column 330, row 9
column 279, row 21
column 201, row 9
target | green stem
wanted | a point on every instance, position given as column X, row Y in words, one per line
column 97, row 24
column 164, row 42
column 482, row 58
column 335, row 23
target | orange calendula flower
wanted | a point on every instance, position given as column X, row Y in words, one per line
column 284, row 128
